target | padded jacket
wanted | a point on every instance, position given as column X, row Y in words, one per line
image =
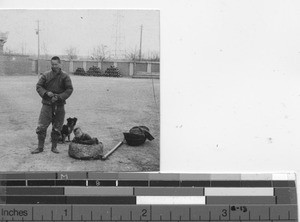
column 58, row 83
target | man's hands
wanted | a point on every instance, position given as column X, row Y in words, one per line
column 54, row 97
column 50, row 94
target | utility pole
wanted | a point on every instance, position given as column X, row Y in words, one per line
column 141, row 37
column 38, row 34
column 118, row 35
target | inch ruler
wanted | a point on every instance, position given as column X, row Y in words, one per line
column 91, row 196
column 149, row 213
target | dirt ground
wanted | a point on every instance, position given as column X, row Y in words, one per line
column 105, row 108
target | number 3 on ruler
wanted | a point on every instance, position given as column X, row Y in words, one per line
column 224, row 213
column 66, row 212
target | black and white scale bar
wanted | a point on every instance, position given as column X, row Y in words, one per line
column 138, row 200
column 147, row 183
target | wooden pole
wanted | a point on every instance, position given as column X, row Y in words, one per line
column 141, row 37
column 112, row 150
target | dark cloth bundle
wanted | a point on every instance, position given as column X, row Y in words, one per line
column 137, row 135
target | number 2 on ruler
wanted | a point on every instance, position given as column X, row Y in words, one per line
column 144, row 213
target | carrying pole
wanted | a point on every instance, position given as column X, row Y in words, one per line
column 112, row 150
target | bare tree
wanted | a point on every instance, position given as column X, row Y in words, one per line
column 132, row 55
column 149, row 56
column 71, row 53
column 100, row 53
column 153, row 56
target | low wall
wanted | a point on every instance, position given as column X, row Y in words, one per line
column 16, row 64
column 124, row 68
column 140, row 67
column 127, row 68
column 45, row 65
column 90, row 64
column 105, row 65
column 155, row 68
column 76, row 64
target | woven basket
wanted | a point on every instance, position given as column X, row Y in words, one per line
column 86, row 152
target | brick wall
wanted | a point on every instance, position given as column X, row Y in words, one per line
column 77, row 64
column 44, row 65
column 155, row 67
column 140, row 67
column 123, row 66
column 105, row 65
column 90, row 64
column 16, row 64
column 65, row 66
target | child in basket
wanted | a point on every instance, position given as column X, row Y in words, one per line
column 83, row 138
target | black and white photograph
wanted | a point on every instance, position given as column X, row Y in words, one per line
column 80, row 90
column 225, row 99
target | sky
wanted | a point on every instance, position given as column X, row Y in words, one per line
column 82, row 29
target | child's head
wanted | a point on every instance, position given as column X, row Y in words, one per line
column 77, row 132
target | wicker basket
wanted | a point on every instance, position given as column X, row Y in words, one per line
column 86, row 152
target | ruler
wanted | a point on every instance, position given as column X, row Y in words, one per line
column 93, row 196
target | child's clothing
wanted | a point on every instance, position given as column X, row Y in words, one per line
column 85, row 139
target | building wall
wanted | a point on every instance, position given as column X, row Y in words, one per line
column 77, row 64
column 16, row 64
column 155, row 67
column 89, row 64
column 124, row 68
column 44, row 65
column 2, row 71
column 65, row 66
column 106, row 65
column 140, row 67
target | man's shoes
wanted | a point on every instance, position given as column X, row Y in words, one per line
column 54, row 150
column 54, row 146
column 37, row 150
column 41, row 141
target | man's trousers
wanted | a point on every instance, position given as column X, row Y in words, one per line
column 50, row 114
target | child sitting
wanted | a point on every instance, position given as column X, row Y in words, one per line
column 83, row 138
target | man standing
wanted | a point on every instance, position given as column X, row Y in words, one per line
column 54, row 86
